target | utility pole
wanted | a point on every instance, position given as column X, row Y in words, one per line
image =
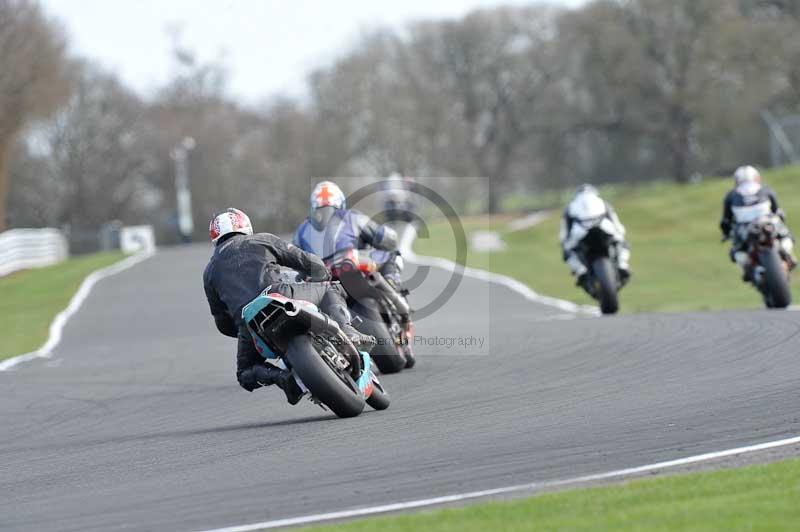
column 180, row 154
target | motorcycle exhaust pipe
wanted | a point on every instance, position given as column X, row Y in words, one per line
column 315, row 321
column 380, row 283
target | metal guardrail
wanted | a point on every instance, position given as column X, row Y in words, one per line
column 31, row 248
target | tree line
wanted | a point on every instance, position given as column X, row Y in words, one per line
column 534, row 98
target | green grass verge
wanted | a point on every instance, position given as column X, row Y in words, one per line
column 678, row 262
column 30, row 299
column 753, row 498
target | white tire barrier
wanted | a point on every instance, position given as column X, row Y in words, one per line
column 21, row 249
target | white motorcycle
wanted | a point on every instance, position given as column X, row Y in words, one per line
column 594, row 241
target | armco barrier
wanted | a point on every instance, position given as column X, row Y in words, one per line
column 31, row 248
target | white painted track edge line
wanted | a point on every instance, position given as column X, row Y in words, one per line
column 61, row 319
column 435, row 501
column 407, row 239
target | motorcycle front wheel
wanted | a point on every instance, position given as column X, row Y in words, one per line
column 605, row 275
column 386, row 354
column 335, row 389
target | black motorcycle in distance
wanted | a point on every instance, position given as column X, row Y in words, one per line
column 770, row 268
column 382, row 311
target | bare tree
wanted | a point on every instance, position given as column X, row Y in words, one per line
column 96, row 152
column 663, row 79
column 533, row 98
column 608, row 126
column 89, row 164
column 32, row 80
column 677, row 40
column 773, row 26
column 496, row 69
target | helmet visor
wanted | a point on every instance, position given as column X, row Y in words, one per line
column 322, row 216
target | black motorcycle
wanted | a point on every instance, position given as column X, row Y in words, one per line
column 598, row 251
column 770, row 266
column 382, row 311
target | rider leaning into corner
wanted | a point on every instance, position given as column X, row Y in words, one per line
column 332, row 227
column 245, row 264
column 745, row 203
column 587, row 205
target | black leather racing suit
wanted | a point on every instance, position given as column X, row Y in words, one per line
column 241, row 267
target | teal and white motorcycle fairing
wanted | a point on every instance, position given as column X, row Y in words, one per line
column 294, row 334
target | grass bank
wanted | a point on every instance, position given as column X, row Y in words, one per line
column 678, row 262
column 30, row 299
column 762, row 497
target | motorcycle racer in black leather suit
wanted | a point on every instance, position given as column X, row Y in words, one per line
column 745, row 203
column 245, row 264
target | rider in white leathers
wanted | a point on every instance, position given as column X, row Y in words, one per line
column 587, row 205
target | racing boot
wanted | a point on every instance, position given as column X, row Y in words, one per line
column 623, row 263
column 748, row 273
column 584, row 281
column 624, row 277
column 362, row 342
column 342, row 316
column 578, row 269
column 742, row 259
column 397, row 285
column 283, row 379
column 787, row 248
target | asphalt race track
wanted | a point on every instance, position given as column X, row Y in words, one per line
column 137, row 423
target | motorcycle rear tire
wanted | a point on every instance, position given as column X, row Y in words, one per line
column 321, row 380
column 777, row 293
column 606, row 276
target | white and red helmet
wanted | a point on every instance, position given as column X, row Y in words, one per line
column 327, row 194
column 747, row 177
column 230, row 221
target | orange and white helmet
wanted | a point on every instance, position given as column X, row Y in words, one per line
column 229, row 221
column 327, row 194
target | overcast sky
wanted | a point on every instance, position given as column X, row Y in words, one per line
column 270, row 45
